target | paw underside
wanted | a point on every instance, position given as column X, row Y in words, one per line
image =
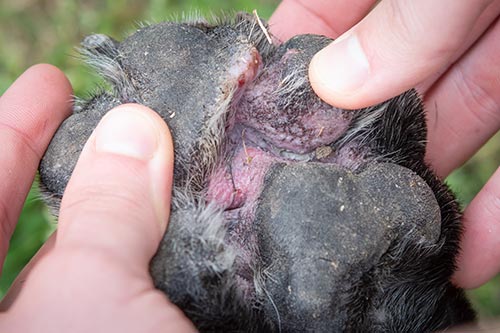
column 287, row 214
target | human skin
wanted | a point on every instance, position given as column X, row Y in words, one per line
column 105, row 240
column 449, row 51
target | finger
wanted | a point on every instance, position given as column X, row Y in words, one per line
column 118, row 197
column 397, row 46
column 113, row 215
column 480, row 257
column 17, row 285
column 464, row 106
column 485, row 20
column 329, row 18
column 30, row 112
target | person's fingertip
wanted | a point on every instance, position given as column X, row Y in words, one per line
column 128, row 132
column 340, row 69
column 52, row 76
column 135, row 131
column 118, row 197
column 36, row 103
column 56, row 87
column 31, row 110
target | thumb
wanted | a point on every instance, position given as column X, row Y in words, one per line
column 397, row 46
column 118, row 197
column 113, row 215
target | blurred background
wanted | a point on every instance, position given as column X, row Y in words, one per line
column 34, row 31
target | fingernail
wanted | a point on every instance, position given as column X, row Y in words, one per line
column 128, row 132
column 342, row 66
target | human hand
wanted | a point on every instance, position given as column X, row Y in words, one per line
column 449, row 51
column 93, row 275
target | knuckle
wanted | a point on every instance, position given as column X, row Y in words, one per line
column 101, row 197
column 410, row 29
column 18, row 138
column 6, row 223
column 477, row 99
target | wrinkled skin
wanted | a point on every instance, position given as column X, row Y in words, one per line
column 288, row 214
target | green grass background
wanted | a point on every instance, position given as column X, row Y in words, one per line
column 48, row 30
